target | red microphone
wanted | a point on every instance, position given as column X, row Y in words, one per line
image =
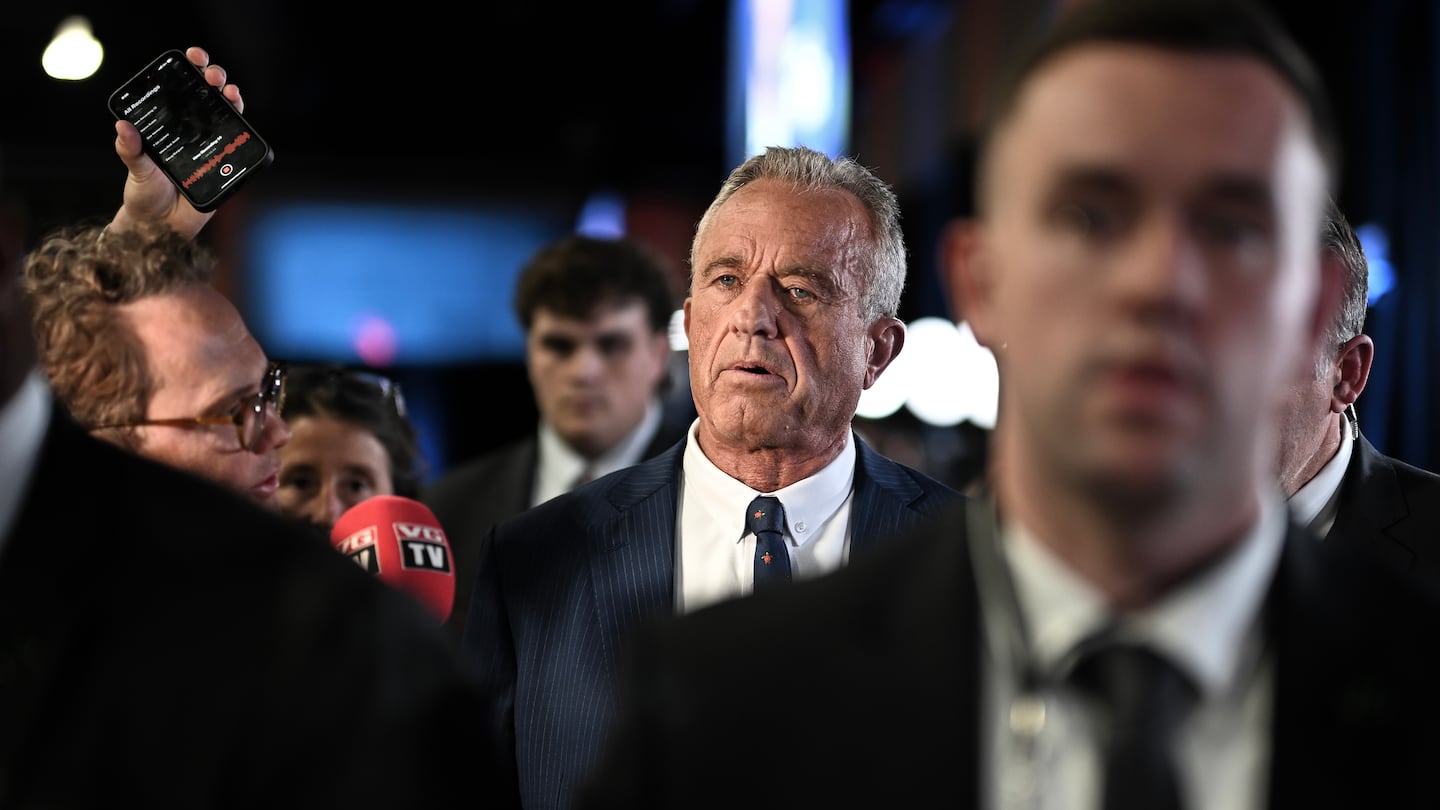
column 400, row 541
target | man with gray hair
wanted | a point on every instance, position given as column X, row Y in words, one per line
column 797, row 268
column 1337, row 483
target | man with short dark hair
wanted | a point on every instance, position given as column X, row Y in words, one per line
column 1129, row 618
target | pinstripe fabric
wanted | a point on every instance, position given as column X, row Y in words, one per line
column 485, row 490
column 561, row 586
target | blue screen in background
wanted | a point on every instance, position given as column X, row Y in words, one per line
column 391, row 284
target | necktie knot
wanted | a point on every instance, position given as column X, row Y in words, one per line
column 1145, row 696
column 765, row 517
column 1136, row 683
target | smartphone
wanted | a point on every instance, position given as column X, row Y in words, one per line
column 190, row 130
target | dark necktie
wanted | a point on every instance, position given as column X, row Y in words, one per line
column 1145, row 696
column 766, row 519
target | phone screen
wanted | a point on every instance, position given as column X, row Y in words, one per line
column 190, row 129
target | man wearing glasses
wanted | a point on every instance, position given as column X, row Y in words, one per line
column 144, row 352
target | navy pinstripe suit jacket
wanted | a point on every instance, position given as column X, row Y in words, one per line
column 1390, row 509
column 562, row 585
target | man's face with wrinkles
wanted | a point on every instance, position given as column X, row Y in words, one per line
column 779, row 352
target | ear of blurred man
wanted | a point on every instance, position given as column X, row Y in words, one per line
column 1354, row 359
column 965, row 266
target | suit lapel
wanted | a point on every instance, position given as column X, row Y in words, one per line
column 883, row 493
column 1371, row 504
column 632, row 547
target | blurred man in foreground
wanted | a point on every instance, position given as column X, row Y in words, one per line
column 1131, row 620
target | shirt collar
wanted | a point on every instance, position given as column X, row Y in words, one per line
column 1310, row 500
column 561, row 465
column 1203, row 626
column 809, row 503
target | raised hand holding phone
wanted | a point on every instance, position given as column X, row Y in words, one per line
column 211, row 122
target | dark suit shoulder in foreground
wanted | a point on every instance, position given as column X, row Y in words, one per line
column 860, row 689
column 164, row 643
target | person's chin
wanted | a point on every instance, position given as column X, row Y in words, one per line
column 1142, row 476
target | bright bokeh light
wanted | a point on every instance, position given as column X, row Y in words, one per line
column 602, row 216
column 1376, row 245
column 376, row 341
column 979, row 395
column 678, row 341
column 74, row 53
column 942, row 375
column 888, row 393
column 790, row 75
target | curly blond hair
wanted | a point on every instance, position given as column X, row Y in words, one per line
column 75, row 282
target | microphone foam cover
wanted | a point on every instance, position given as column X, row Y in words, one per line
column 400, row 541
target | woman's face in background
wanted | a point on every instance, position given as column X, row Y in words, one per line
column 328, row 466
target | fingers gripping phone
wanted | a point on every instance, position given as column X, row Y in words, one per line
column 190, row 130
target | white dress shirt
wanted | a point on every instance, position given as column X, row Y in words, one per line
column 1040, row 731
column 1314, row 504
column 716, row 552
column 559, row 466
column 23, row 422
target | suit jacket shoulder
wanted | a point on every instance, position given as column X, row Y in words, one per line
column 148, row 616
column 1353, row 716
column 1390, row 508
column 890, row 498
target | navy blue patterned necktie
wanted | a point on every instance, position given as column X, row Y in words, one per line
column 766, row 518
column 1146, row 696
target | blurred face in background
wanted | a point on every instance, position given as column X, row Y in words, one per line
column 593, row 378
column 329, row 466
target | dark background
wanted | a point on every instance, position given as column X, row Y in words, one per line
column 418, row 100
